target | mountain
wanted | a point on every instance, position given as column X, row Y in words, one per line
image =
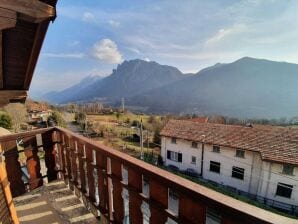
column 247, row 88
column 67, row 94
column 129, row 79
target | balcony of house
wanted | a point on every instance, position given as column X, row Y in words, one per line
column 56, row 176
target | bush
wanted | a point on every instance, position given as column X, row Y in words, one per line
column 56, row 119
column 5, row 121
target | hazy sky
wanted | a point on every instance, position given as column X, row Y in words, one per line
column 90, row 37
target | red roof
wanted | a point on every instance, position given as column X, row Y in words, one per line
column 200, row 119
column 274, row 143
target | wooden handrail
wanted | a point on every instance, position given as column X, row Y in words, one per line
column 96, row 171
column 15, row 136
column 180, row 184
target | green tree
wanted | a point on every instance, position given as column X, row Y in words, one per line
column 5, row 121
column 80, row 117
column 56, row 119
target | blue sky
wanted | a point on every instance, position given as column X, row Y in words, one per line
column 90, row 37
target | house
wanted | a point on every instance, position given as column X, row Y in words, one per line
column 259, row 160
column 37, row 112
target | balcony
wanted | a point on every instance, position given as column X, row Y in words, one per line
column 80, row 177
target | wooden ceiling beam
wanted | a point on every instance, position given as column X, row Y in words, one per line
column 35, row 9
column 8, row 18
column 7, row 96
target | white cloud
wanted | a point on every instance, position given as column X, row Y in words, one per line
column 88, row 17
column 64, row 55
column 106, row 50
column 225, row 33
column 114, row 23
column 147, row 59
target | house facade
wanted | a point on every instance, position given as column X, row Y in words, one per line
column 261, row 160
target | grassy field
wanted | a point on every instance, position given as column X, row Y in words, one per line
column 122, row 118
column 117, row 131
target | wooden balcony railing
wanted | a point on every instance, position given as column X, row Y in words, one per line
column 118, row 187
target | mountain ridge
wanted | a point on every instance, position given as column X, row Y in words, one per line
column 247, row 87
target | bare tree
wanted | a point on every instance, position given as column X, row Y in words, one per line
column 18, row 114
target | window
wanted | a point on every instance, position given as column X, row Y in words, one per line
column 238, row 173
column 193, row 160
column 173, row 140
column 216, row 148
column 288, row 169
column 240, row 153
column 175, row 156
column 284, row 190
column 214, row 167
column 194, row 145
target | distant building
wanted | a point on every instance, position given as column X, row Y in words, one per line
column 200, row 119
column 38, row 112
column 259, row 160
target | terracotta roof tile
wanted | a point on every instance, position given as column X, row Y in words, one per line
column 274, row 143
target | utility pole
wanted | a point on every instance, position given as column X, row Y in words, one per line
column 123, row 104
column 141, row 139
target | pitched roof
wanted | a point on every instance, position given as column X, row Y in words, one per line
column 200, row 119
column 277, row 144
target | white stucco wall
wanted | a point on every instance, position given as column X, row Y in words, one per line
column 271, row 176
column 260, row 177
column 227, row 160
column 184, row 147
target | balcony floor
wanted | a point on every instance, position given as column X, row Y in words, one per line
column 52, row 203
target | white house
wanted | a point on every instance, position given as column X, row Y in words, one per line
column 259, row 160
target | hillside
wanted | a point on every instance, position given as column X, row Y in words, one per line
column 248, row 87
column 129, row 79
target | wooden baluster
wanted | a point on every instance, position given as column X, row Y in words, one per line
column 59, row 157
column 81, row 161
column 67, row 158
column 50, row 155
column 159, row 193
column 110, row 190
column 63, row 157
column 33, row 163
column 101, row 162
column 74, row 156
column 5, row 190
column 117, row 191
column 13, row 166
column 90, row 168
column 135, row 202
column 187, row 206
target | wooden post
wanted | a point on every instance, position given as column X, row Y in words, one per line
column 14, row 175
column 33, row 164
column 117, row 191
column 6, row 189
column 135, row 202
column 50, row 155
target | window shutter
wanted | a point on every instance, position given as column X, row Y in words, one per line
column 180, row 157
column 168, row 154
